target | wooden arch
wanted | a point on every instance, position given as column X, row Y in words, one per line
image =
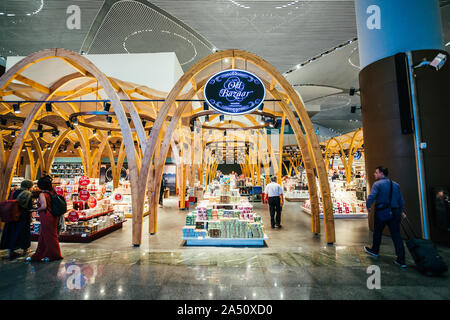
column 310, row 148
column 84, row 68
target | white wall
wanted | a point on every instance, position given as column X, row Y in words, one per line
column 158, row 71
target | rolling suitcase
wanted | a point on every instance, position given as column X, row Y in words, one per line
column 427, row 259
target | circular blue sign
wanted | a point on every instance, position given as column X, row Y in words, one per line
column 357, row 155
column 234, row 92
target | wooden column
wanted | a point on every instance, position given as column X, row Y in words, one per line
column 280, row 158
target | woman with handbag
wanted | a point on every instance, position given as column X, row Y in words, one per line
column 16, row 235
column 48, row 244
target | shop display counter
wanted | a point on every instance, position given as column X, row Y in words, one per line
column 84, row 237
column 296, row 195
column 224, row 218
column 360, row 215
column 245, row 242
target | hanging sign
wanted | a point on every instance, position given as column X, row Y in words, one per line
column 118, row 197
column 84, row 194
column 73, row 216
column 92, row 202
column 84, row 181
column 234, row 92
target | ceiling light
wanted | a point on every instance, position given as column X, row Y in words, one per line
column 106, row 106
column 108, row 119
column 41, row 134
column 222, row 118
column 94, row 132
column 16, row 108
column 109, row 133
column 207, row 119
column 13, row 133
column 48, row 107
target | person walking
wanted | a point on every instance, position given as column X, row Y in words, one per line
column 16, row 235
column 48, row 245
column 161, row 191
column 275, row 195
column 381, row 195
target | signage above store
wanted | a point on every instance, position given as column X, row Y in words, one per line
column 118, row 197
column 234, row 92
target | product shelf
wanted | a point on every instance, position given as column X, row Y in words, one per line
column 84, row 237
column 207, row 241
column 360, row 215
column 95, row 215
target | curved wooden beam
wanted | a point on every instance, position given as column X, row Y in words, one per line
column 81, row 64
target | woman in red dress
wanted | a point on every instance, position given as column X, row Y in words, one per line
column 48, row 244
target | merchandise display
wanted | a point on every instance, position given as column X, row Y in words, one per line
column 345, row 203
column 66, row 170
column 295, row 188
column 90, row 213
column 223, row 218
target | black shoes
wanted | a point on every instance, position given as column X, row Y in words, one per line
column 279, row 226
column 369, row 251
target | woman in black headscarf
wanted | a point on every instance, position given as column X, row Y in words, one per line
column 16, row 235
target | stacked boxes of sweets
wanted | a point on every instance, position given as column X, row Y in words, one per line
column 214, row 229
column 190, row 218
column 202, row 213
column 191, row 232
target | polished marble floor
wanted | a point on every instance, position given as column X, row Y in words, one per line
column 294, row 265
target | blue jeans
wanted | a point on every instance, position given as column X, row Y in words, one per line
column 394, row 229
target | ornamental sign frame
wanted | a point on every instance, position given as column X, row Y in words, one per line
column 234, row 92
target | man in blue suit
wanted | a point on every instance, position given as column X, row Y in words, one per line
column 380, row 195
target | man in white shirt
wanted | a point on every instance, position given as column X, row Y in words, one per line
column 275, row 194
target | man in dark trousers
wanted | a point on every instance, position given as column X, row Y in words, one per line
column 161, row 191
column 275, row 194
column 380, row 195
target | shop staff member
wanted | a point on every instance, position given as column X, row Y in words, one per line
column 380, row 194
column 275, row 194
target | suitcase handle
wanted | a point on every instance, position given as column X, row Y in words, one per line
column 405, row 221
